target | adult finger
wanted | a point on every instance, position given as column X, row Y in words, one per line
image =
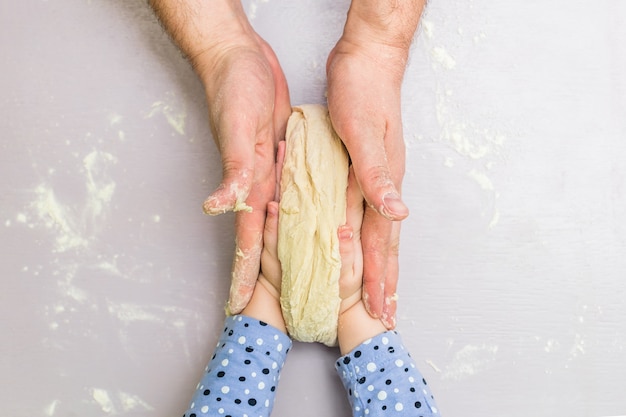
column 249, row 226
column 377, row 158
column 375, row 234
column 390, row 300
column 248, row 246
column 380, row 266
column 241, row 94
column 238, row 162
column 372, row 133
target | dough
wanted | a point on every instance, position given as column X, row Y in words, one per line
column 312, row 207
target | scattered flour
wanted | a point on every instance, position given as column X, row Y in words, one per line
column 480, row 37
column 75, row 225
column 58, row 218
column 481, row 179
column 166, row 318
column 100, row 187
column 252, row 8
column 434, row 366
column 470, row 360
column 103, row 399
column 175, row 117
column 578, row 347
column 125, row 402
column 552, row 345
column 115, row 119
column 495, row 218
column 443, row 58
column 477, row 146
column 50, row 409
column 128, row 313
column 427, row 28
column 131, row 402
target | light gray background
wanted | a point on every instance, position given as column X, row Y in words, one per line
column 512, row 262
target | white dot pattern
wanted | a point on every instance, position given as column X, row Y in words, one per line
column 242, row 375
column 379, row 375
column 382, row 380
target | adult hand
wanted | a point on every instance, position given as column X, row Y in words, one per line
column 249, row 106
column 365, row 71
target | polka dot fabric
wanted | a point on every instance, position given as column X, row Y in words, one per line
column 381, row 380
column 243, row 373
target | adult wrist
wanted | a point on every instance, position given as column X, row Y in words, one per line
column 388, row 22
column 202, row 29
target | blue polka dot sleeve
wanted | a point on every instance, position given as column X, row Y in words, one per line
column 381, row 379
column 241, row 378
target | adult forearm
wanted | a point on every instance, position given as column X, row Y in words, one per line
column 390, row 22
column 200, row 26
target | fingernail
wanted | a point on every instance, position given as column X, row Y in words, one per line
column 345, row 232
column 393, row 208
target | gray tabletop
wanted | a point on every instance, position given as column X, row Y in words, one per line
column 512, row 260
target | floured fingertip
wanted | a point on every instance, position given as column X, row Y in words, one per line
column 225, row 198
column 388, row 318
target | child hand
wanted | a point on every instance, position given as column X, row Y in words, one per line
column 351, row 275
column 265, row 302
column 355, row 325
column 271, row 274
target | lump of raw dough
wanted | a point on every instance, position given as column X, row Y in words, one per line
column 312, row 207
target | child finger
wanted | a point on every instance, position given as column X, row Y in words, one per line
column 354, row 203
column 270, row 233
column 269, row 257
column 347, row 252
column 346, row 248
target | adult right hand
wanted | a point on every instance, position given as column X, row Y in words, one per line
column 249, row 106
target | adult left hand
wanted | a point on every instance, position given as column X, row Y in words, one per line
column 365, row 71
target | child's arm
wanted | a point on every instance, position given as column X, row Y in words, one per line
column 242, row 376
column 377, row 371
